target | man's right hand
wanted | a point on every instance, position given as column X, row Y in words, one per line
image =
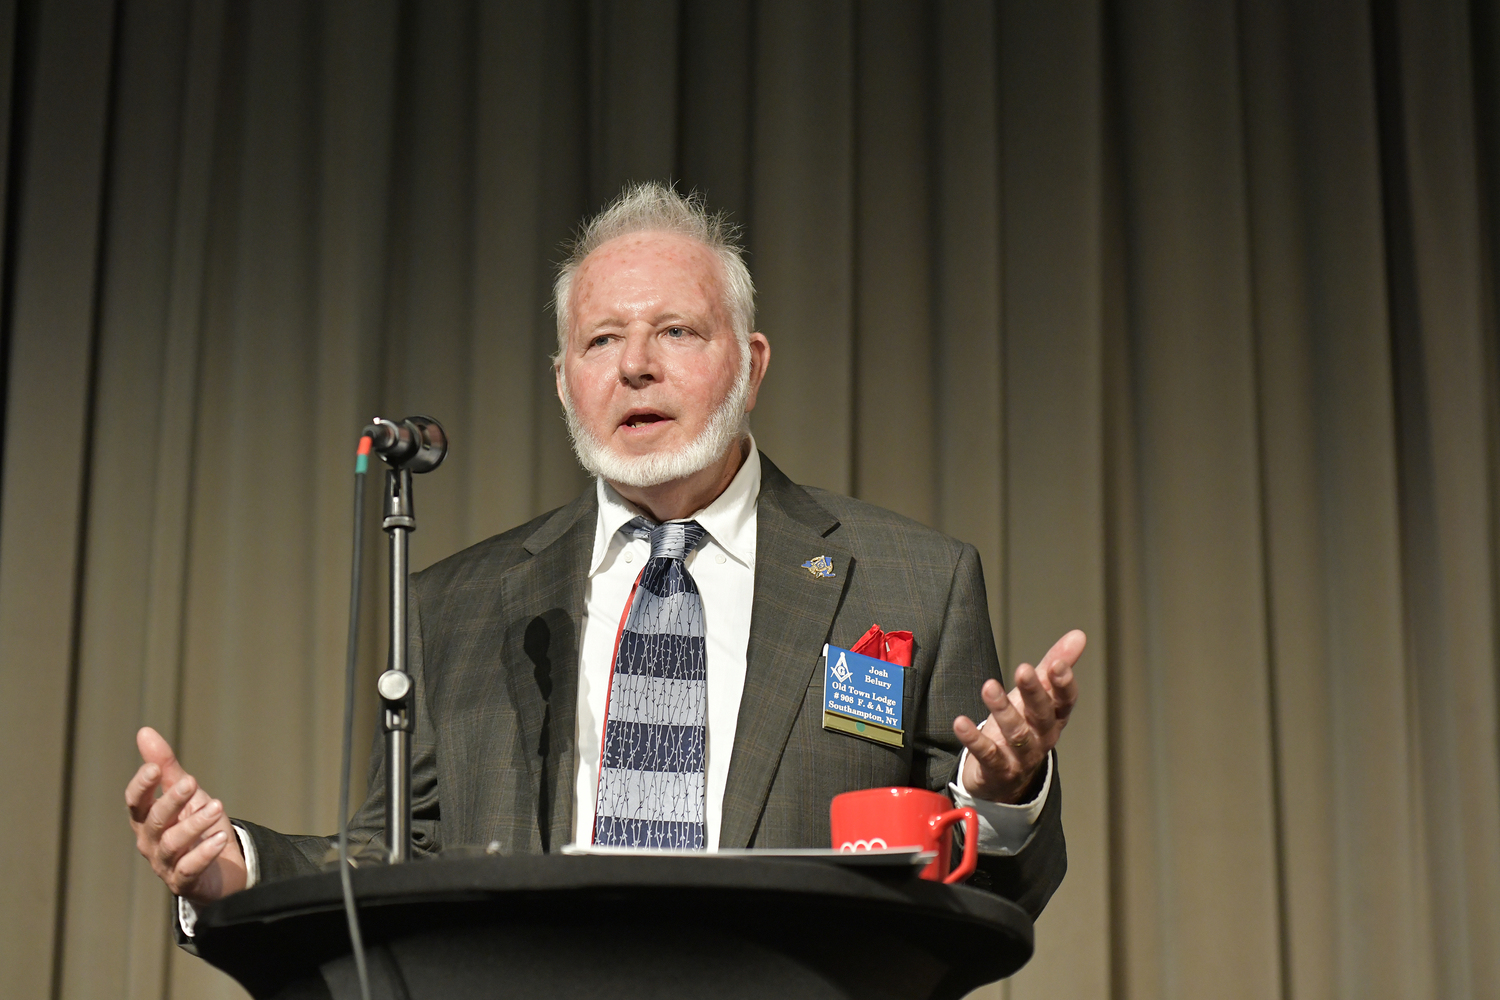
column 184, row 833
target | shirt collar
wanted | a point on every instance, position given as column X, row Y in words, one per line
column 730, row 519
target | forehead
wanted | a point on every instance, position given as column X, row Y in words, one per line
column 643, row 271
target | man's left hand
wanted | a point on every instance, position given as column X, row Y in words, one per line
column 1008, row 754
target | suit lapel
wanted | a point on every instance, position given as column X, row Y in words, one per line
column 541, row 648
column 791, row 618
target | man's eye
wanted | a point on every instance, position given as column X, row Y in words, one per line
column 677, row 332
column 599, row 341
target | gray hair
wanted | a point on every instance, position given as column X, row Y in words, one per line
column 653, row 207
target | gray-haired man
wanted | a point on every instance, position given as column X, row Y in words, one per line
column 530, row 646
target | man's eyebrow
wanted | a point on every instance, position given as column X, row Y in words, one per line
column 659, row 319
column 685, row 319
column 604, row 324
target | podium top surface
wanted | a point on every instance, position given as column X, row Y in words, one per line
column 787, row 903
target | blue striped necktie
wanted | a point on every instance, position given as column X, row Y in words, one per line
column 651, row 773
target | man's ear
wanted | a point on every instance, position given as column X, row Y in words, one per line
column 760, row 360
column 557, row 375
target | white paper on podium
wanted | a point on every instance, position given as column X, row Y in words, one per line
column 880, row 857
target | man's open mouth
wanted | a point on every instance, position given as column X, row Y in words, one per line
column 641, row 419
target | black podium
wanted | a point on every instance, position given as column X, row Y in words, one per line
column 619, row 927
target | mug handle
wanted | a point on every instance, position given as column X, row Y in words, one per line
column 940, row 825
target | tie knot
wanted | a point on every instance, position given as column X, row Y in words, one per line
column 672, row 540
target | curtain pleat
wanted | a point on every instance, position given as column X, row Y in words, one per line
column 1449, row 582
column 1182, row 313
column 803, row 201
column 50, row 397
column 1209, row 847
column 1054, row 501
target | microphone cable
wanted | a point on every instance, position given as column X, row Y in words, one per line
column 356, row 939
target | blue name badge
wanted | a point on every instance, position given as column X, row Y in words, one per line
column 862, row 696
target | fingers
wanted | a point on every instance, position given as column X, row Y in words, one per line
column 198, row 801
column 1064, row 687
column 981, row 747
column 1067, row 649
column 156, row 750
column 195, row 862
column 184, row 836
column 140, row 791
column 994, row 769
column 1036, row 701
column 1056, row 672
column 1010, row 725
column 1018, row 737
column 165, row 812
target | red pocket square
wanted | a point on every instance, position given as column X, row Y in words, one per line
column 892, row 647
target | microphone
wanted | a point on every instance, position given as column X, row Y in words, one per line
column 417, row 444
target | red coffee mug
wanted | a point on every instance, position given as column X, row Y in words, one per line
column 905, row 817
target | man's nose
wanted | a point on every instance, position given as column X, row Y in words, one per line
column 638, row 359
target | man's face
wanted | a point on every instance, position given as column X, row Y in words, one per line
column 651, row 355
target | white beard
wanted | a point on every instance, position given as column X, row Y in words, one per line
column 726, row 426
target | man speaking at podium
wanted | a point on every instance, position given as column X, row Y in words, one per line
column 642, row 667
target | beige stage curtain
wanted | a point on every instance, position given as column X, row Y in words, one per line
column 1182, row 311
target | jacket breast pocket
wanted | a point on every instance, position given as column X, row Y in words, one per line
column 846, row 760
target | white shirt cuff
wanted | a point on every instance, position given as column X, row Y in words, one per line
column 187, row 916
column 252, row 861
column 1003, row 828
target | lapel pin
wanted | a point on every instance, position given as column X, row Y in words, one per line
column 820, row 566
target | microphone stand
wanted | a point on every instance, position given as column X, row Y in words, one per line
column 395, row 684
column 416, row 444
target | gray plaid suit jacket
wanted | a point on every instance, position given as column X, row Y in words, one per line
column 495, row 638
